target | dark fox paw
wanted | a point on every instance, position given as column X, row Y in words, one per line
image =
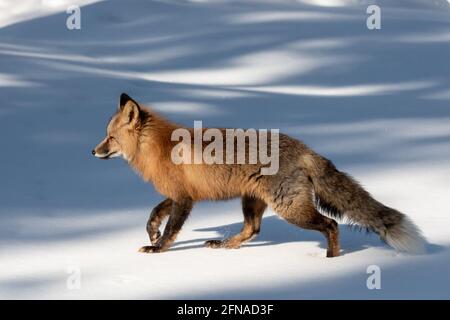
column 222, row 244
column 214, row 244
column 332, row 254
column 150, row 249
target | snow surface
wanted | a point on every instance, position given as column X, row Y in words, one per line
column 375, row 102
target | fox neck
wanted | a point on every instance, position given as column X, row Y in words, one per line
column 152, row 153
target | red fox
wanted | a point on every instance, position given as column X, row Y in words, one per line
column 304, row 184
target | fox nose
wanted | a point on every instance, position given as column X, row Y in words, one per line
column 93, row 152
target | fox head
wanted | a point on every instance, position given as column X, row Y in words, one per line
column 121, row 135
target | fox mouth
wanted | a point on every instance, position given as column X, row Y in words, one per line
column 106, row 156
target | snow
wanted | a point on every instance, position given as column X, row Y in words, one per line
column 376, row 102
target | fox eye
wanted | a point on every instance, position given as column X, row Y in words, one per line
column 112, row 138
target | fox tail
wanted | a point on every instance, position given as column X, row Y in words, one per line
column 340, row 195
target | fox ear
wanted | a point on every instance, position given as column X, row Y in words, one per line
column 129, row 108
column 124, row 98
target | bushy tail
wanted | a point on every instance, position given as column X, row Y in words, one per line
column 340, row 195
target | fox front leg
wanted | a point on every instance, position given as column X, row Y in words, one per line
column 157, row 215
column 178, row 214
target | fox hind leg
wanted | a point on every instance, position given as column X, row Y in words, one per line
column 253, row 210
column 310, row 218
column 296, row 205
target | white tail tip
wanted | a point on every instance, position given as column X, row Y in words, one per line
column 406, row 237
